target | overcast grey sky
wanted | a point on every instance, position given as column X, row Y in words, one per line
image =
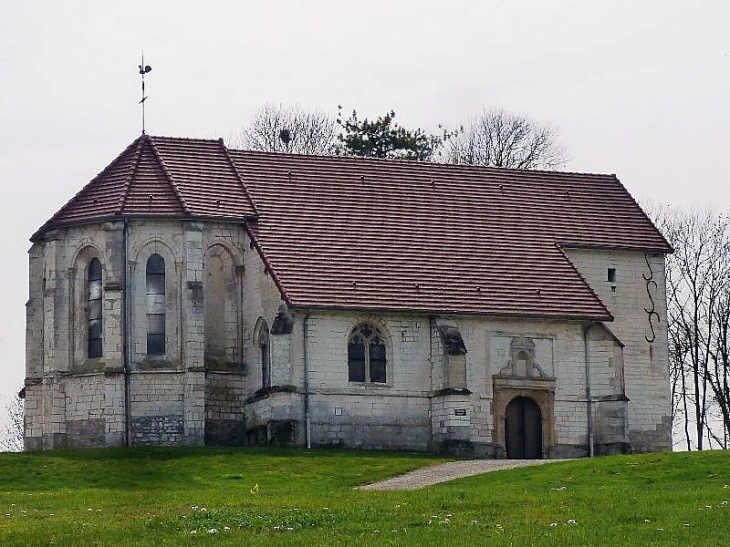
column 638, row 88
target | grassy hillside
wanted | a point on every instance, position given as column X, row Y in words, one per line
column 292, row 497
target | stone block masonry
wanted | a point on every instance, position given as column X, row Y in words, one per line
column 157, row 408
column 225, row 424
column 226, row 378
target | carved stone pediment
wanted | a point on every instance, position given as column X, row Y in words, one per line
column 522, row 362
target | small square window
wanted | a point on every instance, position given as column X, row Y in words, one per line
column 612, row 275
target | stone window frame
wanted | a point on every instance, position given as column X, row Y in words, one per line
column 377, row 331
column 79, row 304
column 157, row 244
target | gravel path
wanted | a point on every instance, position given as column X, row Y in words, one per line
column 434, row 474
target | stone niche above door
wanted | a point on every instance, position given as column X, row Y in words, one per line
column 522, row 367
column 521, row 356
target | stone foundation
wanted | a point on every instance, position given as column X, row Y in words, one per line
column 657, row 439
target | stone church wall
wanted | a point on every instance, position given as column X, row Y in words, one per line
column 391, row 415
column 639, row 286
column 94, row 410
column 559, row 355
column 418, row 409
column 73, row 400
column 69, row 400
column 225, row 393
column 237, row 365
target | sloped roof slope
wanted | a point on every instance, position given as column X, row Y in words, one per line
column 356, row 233
column 347, row 232
column 161, row 177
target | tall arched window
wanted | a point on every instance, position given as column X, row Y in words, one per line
column 94, row 305
column 155, row 305
column 366, row 355
column 263, row 343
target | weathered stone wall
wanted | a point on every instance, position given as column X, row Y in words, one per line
column 275, row 418
column 94, row 410
column 418, row 398
column 261, row 300
column 225, row 393
column 559, row 355
column 157, row 408
column 167, row 239
column 222, row 274
column 369, row 415
column 451, row 425
column 34, row 349
column 73, row 400
column 645, row 353
column 209, row 384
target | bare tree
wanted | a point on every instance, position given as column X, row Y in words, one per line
column 719, row 373
column 275, row 128
column 505, row 139
column 11, row 437
column 698, row 302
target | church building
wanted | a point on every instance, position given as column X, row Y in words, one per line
column 193, row 294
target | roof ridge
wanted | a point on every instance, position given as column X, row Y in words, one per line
column 238, row 175
column 128, row 181
column 184, row 139
column 427, row 164
column 171, row 180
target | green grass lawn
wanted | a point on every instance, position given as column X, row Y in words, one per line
column 219, row 496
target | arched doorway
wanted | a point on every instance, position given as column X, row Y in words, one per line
column 523, row 429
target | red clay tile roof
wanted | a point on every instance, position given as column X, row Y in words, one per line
column 355, row 233
column 359, row 233
column 161, row 177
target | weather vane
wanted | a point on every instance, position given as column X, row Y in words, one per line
column 143, row 69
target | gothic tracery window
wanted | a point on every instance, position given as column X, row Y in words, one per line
column 155, row 276
column 93, row 309
column 366, row 355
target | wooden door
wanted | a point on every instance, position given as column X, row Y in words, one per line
column 523, row 429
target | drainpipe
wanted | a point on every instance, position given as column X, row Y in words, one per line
column 432, row 388
column 307, row 423
column 588, row 387
column 126, row 333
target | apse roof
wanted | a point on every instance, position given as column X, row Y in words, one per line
column 162, row 177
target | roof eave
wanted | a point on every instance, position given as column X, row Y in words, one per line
column 471, row 313
column 603, row 247
column 48, row 226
